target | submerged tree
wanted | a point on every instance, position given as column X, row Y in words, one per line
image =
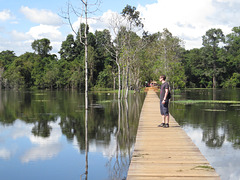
column 83, row 13
column 167, row 51
column 132, row 43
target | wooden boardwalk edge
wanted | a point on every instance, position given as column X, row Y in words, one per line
column 165, row 153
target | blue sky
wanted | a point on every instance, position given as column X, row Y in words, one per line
column 23, row 21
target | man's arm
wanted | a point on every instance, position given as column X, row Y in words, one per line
column 165, row 95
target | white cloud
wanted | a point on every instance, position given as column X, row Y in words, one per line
column 5, row 154
column 190, row 19
column 186, row 18
column 231, row 2
column 45, row 31
column 19, row 36
column 104, row 21
column 227, row 13
column 43, row 16
column 22, row 40
column 109, row 20
column 6, row 15
column 50, row 32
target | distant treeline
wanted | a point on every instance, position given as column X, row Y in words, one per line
column 138, row 59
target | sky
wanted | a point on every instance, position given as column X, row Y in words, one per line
column 23, row 21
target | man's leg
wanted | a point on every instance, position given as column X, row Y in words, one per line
column 166, row 114
column 163, row 122
column 163, row 118
column 166, row 124
column 166, row 119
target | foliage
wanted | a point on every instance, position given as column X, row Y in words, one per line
column 126, row 62
column 212, row 54
column 42, row 47
column 6, row 58
column 233, row 82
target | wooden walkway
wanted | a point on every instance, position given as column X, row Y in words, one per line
column 165, row 153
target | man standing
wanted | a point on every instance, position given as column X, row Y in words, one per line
column 164, row 99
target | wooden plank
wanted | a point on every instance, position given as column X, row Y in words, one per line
column 165, row 153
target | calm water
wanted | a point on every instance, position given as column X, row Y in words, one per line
column 213, row 127
column 43, row 135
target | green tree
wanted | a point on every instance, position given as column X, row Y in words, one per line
column 102, row 51
column 233, row 55
column 105, row 77
column 42, row 47
column 195, row 68
column 233, row 82
column 132, row 45
column 19, row 73
column 6, row 59
column 40, row 68
column 211, row 41
column 51, row 74
column 168, row 52
column 132, row 16
column 68, row 49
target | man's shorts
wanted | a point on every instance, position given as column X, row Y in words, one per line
column 164, row 108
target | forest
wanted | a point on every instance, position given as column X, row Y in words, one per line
column 125, row 59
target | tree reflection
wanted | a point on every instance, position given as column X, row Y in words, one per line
column 219, row 122
column 104, row 119
column 117, row 165
column 128, row 116
column 85, row 174
column 42, row 129
column 211, row 134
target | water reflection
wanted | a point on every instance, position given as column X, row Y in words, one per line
column 214, row 127
column 85, row 175
column 48, row 131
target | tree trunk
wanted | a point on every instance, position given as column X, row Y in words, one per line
column 114, row 83
column 214, row 81
column 214, row 68
column 86, row 143
column 127, row 82
column 123, row 79
column 119, row 76
column 86, row 60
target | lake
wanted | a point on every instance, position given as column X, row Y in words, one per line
column 211, row 118
column 43, row 135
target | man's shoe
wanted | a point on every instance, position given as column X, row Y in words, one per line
column 166, row 126
column 161, row 125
